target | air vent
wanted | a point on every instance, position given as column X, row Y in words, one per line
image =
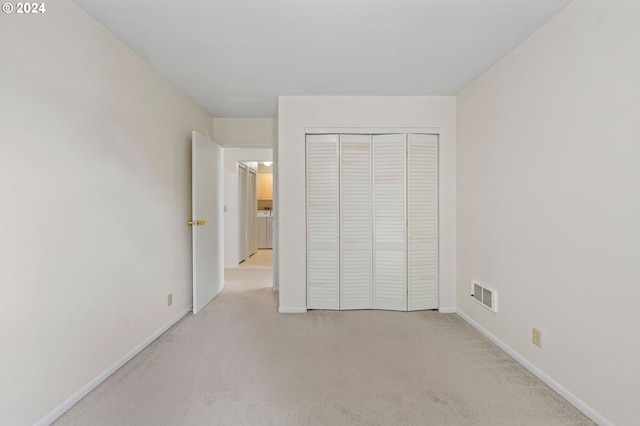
column 484, row 296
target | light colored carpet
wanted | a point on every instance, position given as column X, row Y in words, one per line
column 263, row 258
column 239, row 362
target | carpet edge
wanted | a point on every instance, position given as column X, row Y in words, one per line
column 84, row 391
column 586, row 409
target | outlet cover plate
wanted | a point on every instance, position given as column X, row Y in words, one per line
column 536, row 338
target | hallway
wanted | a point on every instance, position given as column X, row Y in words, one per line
column 263, row 258
column 239, row 362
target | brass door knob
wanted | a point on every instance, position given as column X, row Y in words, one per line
column 198, row 222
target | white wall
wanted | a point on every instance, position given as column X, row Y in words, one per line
column 245, row 130
column 95, row 184
column 231, row 199
column 299, row 112
column 549, row 202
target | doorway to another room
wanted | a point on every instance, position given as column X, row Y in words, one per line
column 262, row 259
column 255, row 214
column 250, row 215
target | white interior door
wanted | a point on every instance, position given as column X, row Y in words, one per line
column 422, row 216
column 242, row 213
column 206, row 220
column 355, row 222
column 252, row 213
column 389, row 222
column 322, row 222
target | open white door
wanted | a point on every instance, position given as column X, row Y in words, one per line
column 206, row 220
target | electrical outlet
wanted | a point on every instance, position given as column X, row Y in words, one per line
column 536, row 338
column 169, row 299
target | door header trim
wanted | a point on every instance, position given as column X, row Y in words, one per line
column 370, row 130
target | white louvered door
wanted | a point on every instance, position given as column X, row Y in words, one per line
column 355, row 222
column 422, row 216
column 242, row 216
column 323, row 250
column 372, row 221
column 389, row 226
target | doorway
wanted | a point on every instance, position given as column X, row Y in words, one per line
column 249, row 210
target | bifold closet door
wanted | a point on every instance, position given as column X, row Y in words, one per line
column 355, row 222
column 242, row 216
column 389, row 222
column 323, row 250
column 422, row 216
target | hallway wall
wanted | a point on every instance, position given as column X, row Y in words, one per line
column 95, row 182
column 236, row 130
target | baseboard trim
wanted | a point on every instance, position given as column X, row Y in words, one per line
column 561, row 390
column 291, row 310
column 447, row 310
column 73, row 399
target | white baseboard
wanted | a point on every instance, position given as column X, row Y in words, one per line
column 562, row 391
column 447, row 310
column 82, row 392
column 291, row 310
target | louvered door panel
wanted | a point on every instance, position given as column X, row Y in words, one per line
column 422, row 175
column 242, row 214
column 322, row 222
column 389, row 272
column 355, row 222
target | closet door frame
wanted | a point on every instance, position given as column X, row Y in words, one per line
column 395, row 130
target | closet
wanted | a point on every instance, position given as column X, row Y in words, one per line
column 372, row 221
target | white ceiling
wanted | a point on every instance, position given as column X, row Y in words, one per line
column 234, row 57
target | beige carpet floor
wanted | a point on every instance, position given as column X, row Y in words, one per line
column 239, row 362
column 263, row 258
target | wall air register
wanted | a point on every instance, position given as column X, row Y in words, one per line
column 484, row 296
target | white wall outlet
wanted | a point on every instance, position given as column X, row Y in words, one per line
column 169, row 299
